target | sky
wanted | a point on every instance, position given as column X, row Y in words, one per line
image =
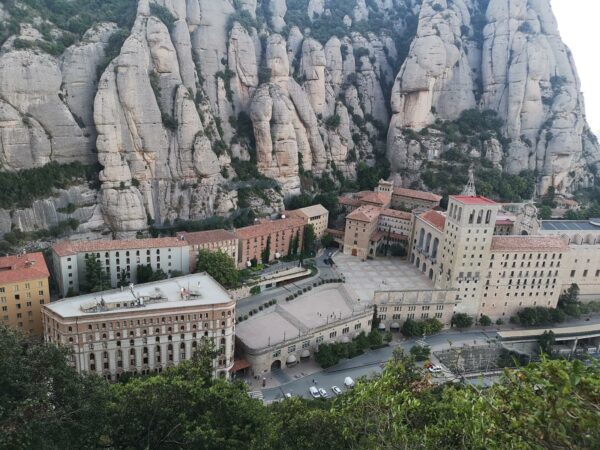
column 579, row 26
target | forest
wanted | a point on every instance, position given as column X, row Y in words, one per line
column 46, row 404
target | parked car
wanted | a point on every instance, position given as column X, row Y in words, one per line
column 314, row 392
column 323, row 393
column 336, row 390
column 349, row 382
column 288, row 395
column 434, row 369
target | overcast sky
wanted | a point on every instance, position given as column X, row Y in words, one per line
column 579, row 25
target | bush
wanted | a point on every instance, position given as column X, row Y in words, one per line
column 421, row 353
column 254, row 290
column 462, row 320
column 485, row 321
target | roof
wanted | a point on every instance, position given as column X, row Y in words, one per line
column 397, row 214
column 571, row 225
column 377, row 198
column 435, row 219
column 268, row 227
column 419, row 195
column 66, row 248
column 349, row 201
column 505, row 222
column 16, row 268
column 206, row 237
column 473, row 200
column 567, row 201
column 528, row 244
column 201, row 289
column 366, row 213
column 311, row 211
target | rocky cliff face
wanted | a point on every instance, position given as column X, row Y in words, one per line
column 295, row 88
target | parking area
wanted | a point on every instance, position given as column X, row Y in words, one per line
column 363, row 278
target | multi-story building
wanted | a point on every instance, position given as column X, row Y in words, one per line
column 281, row 236
column 213, row 241
column 118, row 258
column 292, row 332
column 361, row 225
column 146, row 328
column 23, row 291
column 315, row 215
column 410, row 199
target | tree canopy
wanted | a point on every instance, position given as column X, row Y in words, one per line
column 220, row 266
column 46, row 404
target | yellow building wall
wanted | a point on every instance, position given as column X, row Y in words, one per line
column 21, row 304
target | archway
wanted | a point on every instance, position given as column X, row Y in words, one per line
column 276, row 365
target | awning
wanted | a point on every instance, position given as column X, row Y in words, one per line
column 239, row 364
column 291, row 360
column 395, row 325
column 382, row 326
column 345, row 339
column 305, row 353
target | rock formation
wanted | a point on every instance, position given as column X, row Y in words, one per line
column 301, row 90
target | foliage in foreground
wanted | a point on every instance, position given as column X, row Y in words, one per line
column 45, row 404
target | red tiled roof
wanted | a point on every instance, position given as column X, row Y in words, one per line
column 528, row 244
column 268, row 227
column 366, row 213
column 419, row 195
column 66, row 248
column 374, row 197
column 349, row 201
column 435, row 219
column 473, row 200
column 397, row 214
column 206, row 237
column 16, row 268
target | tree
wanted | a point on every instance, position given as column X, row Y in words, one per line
column 37, row 383
column 96, row 278
column 421, row 353
column 308, row 240
column 327, row 241
column 545, row 212
column 411, row 328
column 546, row 341
column 295, row 244
column 122, row 279
column 265, row 255
column 218, row 265
column 485, row 321
column 375, row 338
column 145, row 274
column 461, row 320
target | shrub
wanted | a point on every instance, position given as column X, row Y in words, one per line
column 421, row 353
column 485, row 321
column 462, row 320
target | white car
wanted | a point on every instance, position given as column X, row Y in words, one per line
column 314, row 392
column 434, row 369
column 336, row 390
column 349, row 382
column 288, row 395
column 323, row 393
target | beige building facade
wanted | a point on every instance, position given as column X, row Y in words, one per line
column 315, row 215
column 213, row 240
column 146, row 328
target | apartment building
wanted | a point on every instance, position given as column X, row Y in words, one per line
column 213, row 241
column 118, row 258
column 359, row 236
column 281, row 236
column 23, row 291
column 146, row 328
column 315, row 215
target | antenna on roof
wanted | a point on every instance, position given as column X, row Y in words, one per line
column 469, row 189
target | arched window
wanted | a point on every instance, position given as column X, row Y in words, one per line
column 92, row 357
column 434, row 250
column 472, row 217
column 428, row 243
column 488, row 216
column 459, row 213
column 480, row 216
column 421, row 238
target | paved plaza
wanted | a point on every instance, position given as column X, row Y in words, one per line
column 363, row 278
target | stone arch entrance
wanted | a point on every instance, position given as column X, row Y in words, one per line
column 276, row 365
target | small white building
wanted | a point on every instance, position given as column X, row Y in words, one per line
column 117, row 257
column 146, row 328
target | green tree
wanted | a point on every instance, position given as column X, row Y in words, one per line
column 485, row 321
column 295, row 244
column 545, row 212
column 411, row 328
column 461, row 320
column 218, row 265
column 421, row 353
column 308, row 240
column 62, row 409
column 96, row 278
column 265, row 255
column 327, row 241
column 546, row 341
column 145, row 274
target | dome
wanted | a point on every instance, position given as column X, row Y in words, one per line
column 291, row 360
column 395, row 325
column 305, row 353
column 382, row 326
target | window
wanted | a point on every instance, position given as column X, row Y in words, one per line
column 291, row 349
column 276, row 353
column 319, row 339
column 306, row 344
column 332, row 334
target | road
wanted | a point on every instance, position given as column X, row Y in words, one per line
column 370, row 363
column 325, row 271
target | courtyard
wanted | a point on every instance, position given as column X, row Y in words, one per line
column 363, row 278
